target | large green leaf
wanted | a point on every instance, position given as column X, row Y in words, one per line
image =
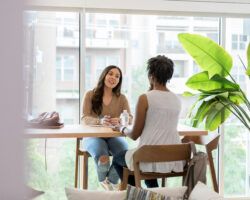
column 188, row 94
column 236, row 97
column 217, row 91
column 232, row 97
column 202, row 111
column 225, row 83
column 216, row 116
column 248, row 60
column 207, row 54
column 202, row 82
column 214, row 96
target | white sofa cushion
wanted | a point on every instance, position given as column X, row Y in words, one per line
column 77, row 194
column 202, row 191
column 173, row 192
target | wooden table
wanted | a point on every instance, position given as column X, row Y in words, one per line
column 80, row 131
column 72, row 131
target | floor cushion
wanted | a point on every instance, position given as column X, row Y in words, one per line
column 202, row 191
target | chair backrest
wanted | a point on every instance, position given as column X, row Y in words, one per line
column 162, row 153
column 159, row 153
column 209, row 141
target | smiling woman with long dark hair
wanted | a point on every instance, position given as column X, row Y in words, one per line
column 103, row 106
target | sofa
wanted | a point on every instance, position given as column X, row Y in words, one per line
column 200, row 192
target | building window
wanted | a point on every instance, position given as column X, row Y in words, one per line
column 65, row 68
column 239, row 41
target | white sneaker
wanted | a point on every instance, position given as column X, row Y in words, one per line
column 106, row 185
column 116, row 187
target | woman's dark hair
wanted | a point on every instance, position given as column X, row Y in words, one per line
column 99, row 89
column 161, row 68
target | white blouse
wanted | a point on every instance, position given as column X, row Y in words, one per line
column 160, row 128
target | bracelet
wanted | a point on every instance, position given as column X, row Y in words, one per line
column 123, row 129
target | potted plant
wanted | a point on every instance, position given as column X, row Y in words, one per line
column 219, row 95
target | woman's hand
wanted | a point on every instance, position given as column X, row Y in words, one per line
column 115, row 121
column 106, row 120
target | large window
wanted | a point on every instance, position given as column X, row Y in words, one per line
column 52, row 83
column 53, row 76
column 236, row 142
column 52, row 63
column 136, row 38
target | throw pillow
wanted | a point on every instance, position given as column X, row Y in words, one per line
column 77, row 194
column 202, row 191
column 167, row 191
column 134, row 193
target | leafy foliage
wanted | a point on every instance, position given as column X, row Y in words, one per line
column 248, row 60
column 207, row 54
column 218, row 96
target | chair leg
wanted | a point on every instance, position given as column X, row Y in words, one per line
column 212, row 171
column 137, row 182
column 77, row 162
column 76, row 171
column 85, row 171
column 163, row 182
column 125, row 176
column 137, row 176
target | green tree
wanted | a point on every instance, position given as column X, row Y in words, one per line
column 140, row 83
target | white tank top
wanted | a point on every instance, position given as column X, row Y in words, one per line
column 160, row 128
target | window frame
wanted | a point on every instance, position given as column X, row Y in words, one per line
column 82, row 52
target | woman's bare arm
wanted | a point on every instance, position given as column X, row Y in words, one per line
column 140, row 116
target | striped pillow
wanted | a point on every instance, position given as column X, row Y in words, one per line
column 134, row 193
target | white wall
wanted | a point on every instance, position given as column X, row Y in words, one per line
column 11, row 152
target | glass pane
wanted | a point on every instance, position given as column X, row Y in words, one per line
column 49, row 57
column 132, row 40
column 136, row 38
column 237, row 145
column 68, row 75
column 69, row 61
column 52, row 67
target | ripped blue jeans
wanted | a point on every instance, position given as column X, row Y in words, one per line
column 98, row 147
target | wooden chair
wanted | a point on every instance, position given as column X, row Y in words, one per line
column 211, row 143
column 85, row 155
column 156, row 153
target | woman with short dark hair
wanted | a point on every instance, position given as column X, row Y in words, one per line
column 156, row 119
